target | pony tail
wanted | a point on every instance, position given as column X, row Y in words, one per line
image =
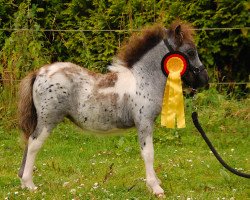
column 26, row 108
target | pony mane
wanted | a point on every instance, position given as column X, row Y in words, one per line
column 141, row 42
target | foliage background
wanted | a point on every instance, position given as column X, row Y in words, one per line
column 225, row 52
column 69, row 166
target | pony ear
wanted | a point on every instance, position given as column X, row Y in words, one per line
column 178, row 35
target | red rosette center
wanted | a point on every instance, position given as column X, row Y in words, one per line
column 175, row 63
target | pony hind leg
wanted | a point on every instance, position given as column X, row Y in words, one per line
column 45, row 124
column 32, row 148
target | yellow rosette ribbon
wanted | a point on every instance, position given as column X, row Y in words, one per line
column 173, row 103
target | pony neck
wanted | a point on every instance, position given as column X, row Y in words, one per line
column 148, row 73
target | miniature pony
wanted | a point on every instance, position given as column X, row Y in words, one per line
column 129, row 95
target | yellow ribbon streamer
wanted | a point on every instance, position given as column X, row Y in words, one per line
column 173, row 103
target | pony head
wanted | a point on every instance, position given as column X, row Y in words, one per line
column 180, row 39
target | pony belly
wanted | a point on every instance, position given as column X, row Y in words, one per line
column 100, row 128
column 96, row 121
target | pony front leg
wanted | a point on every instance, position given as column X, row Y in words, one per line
column 147, row 152
column 33, row 146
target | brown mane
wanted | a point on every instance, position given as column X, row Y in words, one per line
column 141, row 42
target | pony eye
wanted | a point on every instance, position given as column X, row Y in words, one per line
column 191, row 53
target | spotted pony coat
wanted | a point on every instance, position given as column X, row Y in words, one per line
column 129, row 95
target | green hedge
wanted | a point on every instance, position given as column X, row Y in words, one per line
column 224, row 52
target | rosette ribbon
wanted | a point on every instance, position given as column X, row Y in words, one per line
column 173, row 64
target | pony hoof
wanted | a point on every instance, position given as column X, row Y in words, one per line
column 32, row 189
column 161, row 196
column 30, row 186
column 158, row 192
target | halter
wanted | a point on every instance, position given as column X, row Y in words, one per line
column 193, row 69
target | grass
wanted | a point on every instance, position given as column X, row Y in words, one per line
column 73, row 165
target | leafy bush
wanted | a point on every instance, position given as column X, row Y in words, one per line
column 224, row 52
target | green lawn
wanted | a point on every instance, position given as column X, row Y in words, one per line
column 74, row 165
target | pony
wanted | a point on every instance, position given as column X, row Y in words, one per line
column 129, row 95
